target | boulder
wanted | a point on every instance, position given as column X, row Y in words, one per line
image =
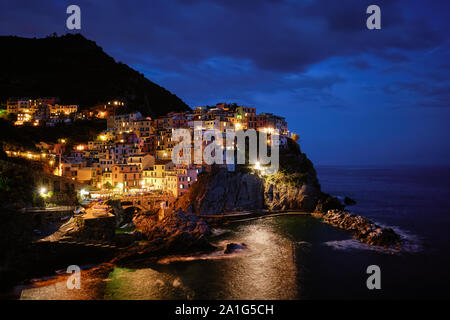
column 233, row 247
column 176, row 230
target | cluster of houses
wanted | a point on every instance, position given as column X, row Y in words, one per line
column 48, row 111
column 134, row 153
column 39, row 111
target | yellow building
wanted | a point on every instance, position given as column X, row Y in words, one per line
column 161, row 176
column 63, row 109
column 106, row 178
column 12, row 106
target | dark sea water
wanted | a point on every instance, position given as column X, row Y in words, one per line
column 298, row 257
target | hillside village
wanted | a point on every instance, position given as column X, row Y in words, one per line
column 133, row 154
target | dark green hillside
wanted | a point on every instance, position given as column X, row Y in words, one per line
column 79, row 72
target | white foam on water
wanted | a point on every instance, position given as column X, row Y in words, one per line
column 218, row 232
column 411, row 243
column 353, row 244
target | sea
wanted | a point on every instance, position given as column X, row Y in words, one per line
column 299, row 257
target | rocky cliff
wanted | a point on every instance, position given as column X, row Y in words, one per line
column 224, row 192
column 294, row 187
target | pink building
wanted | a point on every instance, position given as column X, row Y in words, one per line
column 186, row 177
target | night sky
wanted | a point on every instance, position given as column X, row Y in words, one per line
column 355, row 96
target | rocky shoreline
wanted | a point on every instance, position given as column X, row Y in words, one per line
column 363, row 229
column 217, row 198
column 176, row 232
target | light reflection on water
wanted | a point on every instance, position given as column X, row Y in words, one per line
column 265, row 270
column 288, row 257
column 299, row 257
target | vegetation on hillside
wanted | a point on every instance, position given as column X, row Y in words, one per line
column 295, row 168
column 17, row 185
column 78, row 71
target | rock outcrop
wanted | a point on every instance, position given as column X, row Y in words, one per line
column 294, row 187
column 282, row 196
column 233, row 247
column 80, row 229
column 175, row 229
column 163, row 233
column 362, row 228
column 224, row 192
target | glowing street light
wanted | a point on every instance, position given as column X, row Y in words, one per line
column 43, row 192
column 84, row 193
column 257, row 166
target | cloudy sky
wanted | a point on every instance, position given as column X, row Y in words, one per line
column 355, row 96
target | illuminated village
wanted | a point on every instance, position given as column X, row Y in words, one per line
column 133, row 155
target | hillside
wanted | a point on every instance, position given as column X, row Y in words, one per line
column 79, row 72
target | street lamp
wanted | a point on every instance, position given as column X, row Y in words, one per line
column 43, row 192
column 84, row 193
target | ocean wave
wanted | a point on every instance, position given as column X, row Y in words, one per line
column 410, row 242
column 218, row 232
column 353, row 244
